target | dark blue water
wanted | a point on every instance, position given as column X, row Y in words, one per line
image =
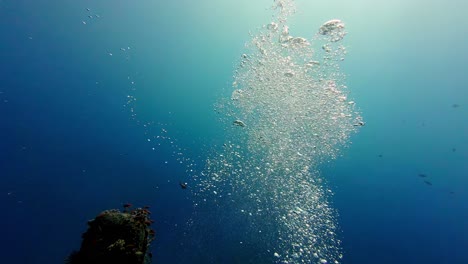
column 70, row 147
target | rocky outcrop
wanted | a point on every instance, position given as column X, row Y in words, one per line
column 116, row 237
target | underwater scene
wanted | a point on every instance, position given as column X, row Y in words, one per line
column 267, row 131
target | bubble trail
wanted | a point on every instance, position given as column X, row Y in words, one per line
column 288, row 113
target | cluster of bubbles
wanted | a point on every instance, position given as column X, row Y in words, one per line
column 90, row 16
column 289, row 112
column 158, row 136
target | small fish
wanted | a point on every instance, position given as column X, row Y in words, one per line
column 380, row 156
column 183, row 185
column 428, row 183
column 422, row 175
column 360, row 123
column 455, row 105
column 239, row 123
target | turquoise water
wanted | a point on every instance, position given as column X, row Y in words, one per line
column 84, row 130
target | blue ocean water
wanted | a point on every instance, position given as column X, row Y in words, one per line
column 74, row 141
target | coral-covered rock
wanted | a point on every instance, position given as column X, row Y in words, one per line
column 116, row 237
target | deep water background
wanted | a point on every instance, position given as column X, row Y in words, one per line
column 69, row 147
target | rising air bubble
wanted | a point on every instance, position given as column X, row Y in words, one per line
column 299, row 116
column 334, row 29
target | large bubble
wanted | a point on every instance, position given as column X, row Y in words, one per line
column 334, row 29
column 288, row 112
